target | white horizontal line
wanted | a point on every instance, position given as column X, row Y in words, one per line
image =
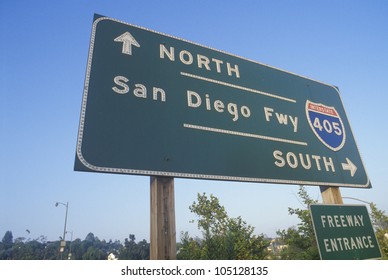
column 238, row 87
column 243, row 134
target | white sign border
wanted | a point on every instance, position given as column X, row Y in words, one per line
column 175, row 174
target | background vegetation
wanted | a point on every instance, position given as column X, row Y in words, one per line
column 223, row 237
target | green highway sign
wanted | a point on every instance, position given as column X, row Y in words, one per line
column 344, row 232
column 154, row 104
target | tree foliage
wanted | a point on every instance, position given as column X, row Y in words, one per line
column 7, row 240
column 223, row 237
column 380, row 223
column 91, row 248
column 135, row 251
column 300, row 240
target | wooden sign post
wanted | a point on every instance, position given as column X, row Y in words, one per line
column 163, row 231
column 119, row 50
column 331, row 195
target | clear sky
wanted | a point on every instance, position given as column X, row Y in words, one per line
column 43, row 55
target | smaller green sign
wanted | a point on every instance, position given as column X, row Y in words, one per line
column 344, row 232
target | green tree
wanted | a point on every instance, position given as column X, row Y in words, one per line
column 380, row 223
column 94, row 253
column 189, row 248
column 76, row 249
column 222, row 237
column 300, row 241
column 134, row 251
column 6, row 245
column 7, row 239
column 31, row 250
column 143, row 250
column 90, row 238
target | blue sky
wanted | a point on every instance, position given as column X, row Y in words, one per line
column 43, row 55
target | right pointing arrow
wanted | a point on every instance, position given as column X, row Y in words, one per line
column 350, row 167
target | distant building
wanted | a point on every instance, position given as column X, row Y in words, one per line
column 276, row 246
column 112, row 257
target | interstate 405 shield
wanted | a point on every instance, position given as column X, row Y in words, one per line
column 327, row 125
column 154, row 104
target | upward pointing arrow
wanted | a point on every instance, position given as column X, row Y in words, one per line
column 349, row 166
column 128, row 41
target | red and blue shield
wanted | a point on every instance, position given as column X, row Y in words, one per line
column 326, row 124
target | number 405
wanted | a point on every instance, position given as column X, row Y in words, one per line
column 328, row 126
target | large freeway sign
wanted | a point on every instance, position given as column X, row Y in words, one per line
column 154, row 104
column 344, row 232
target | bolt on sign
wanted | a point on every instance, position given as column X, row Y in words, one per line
column 154, row 104
column 344, row 232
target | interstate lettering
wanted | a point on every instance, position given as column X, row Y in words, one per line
column 348, row 243
column 337, row 221
column 199, row 60
column 305, row 161
column 194, row 100
column 139, row 90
